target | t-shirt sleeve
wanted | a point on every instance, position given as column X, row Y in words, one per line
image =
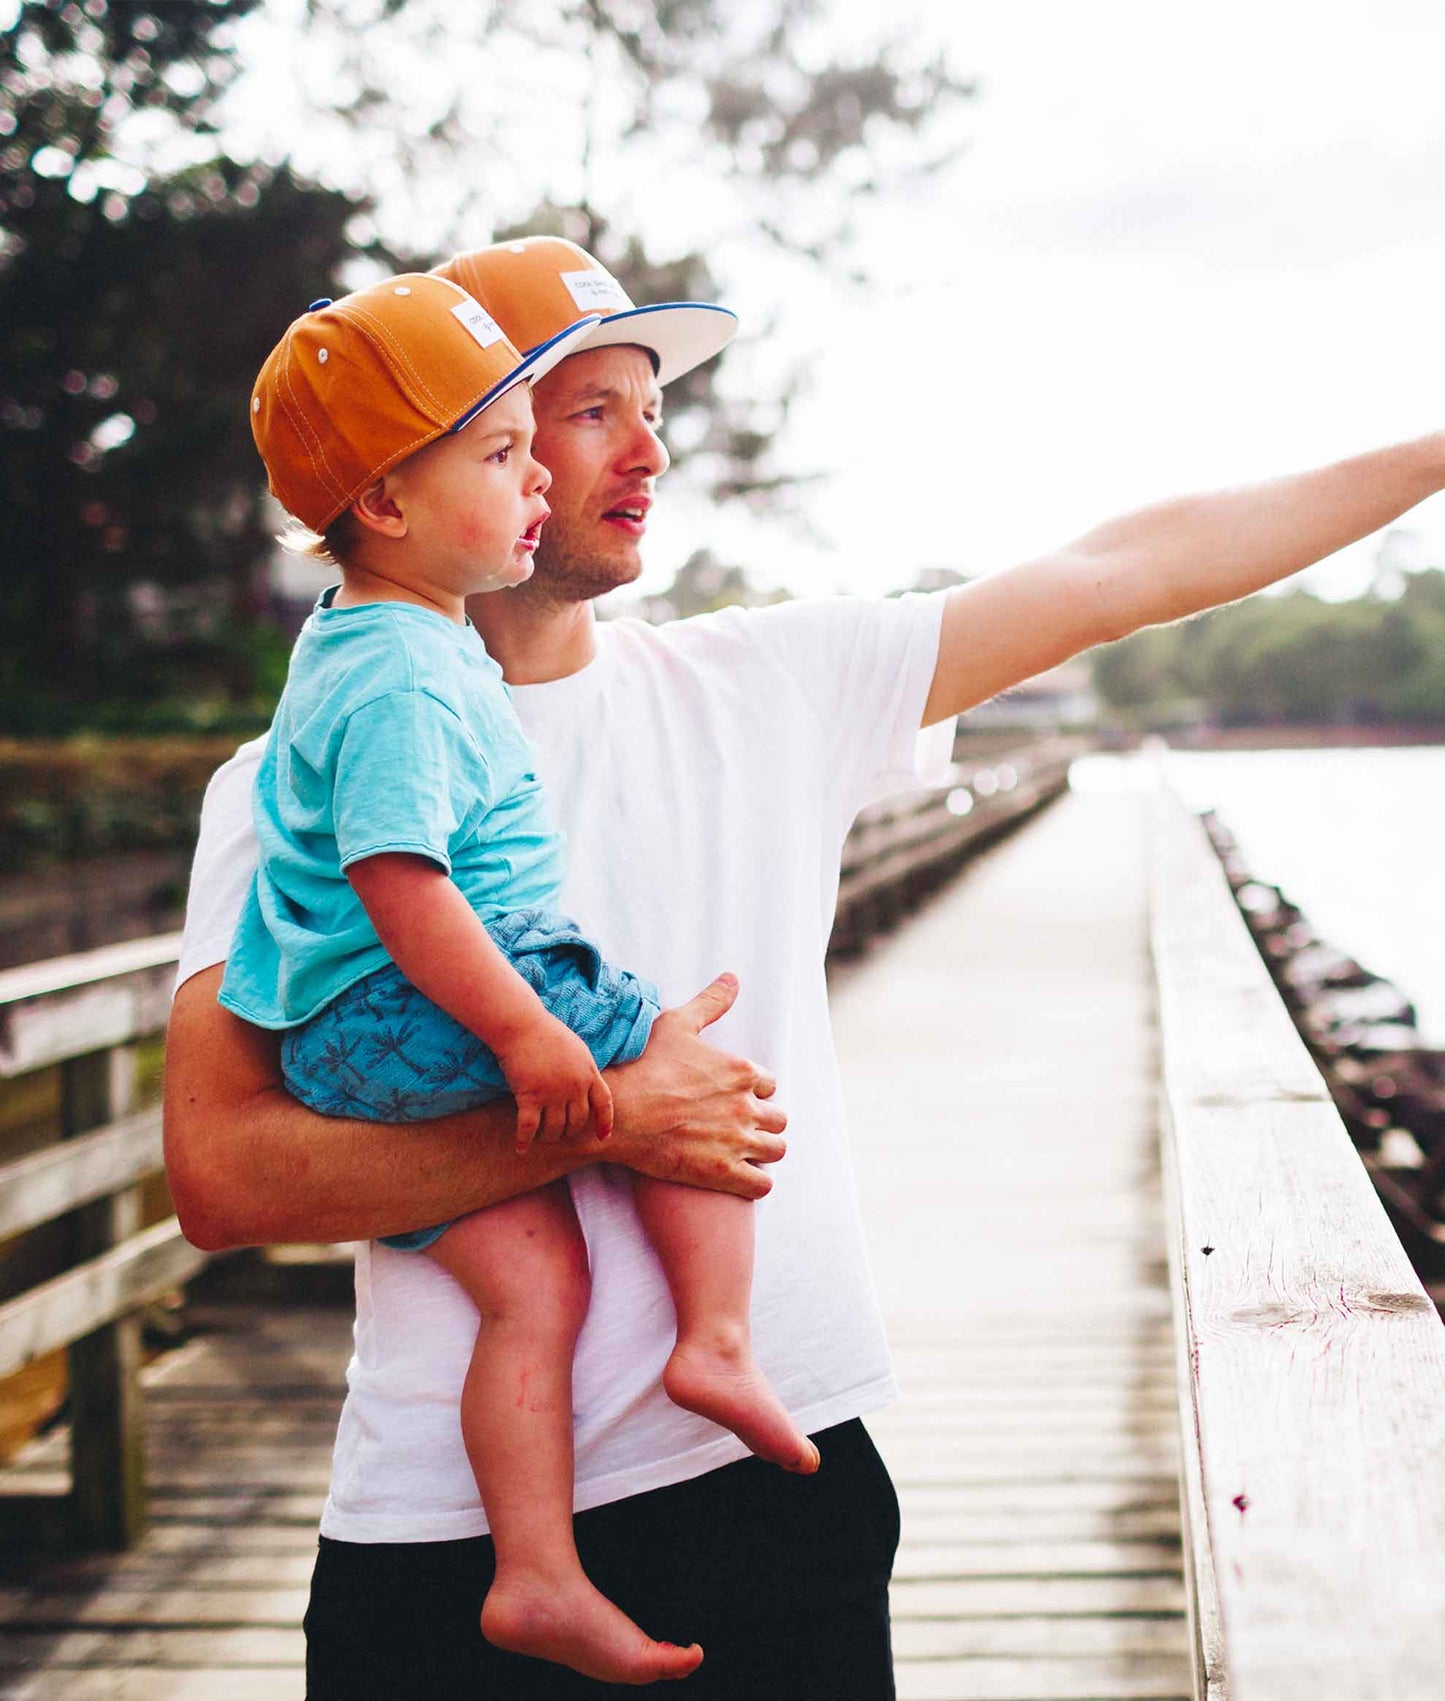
column 408, row 774
column 224, row 864
column 867, row 667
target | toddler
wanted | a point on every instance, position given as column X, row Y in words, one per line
column 403, row 932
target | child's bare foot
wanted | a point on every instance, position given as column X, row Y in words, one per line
column 575, row 1625
column 718, row 1378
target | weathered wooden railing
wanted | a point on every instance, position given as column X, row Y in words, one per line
column 903, row 847
column 1311, row 1362
column 85, row 1014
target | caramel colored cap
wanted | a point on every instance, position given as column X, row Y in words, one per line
column 539, row 285
column 357, row 385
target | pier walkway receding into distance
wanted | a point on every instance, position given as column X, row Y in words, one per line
column 998, row 1057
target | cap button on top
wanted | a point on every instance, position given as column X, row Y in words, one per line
column 320, row 302
column 323, row 355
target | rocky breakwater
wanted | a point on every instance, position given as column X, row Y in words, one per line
column 1362, row 1031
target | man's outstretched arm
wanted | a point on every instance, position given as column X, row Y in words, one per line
column 248, row 1165
column 1165, row 562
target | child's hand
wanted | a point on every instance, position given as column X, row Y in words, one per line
column 556, row 1084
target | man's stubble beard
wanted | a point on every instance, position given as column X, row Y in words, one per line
column 563, row 573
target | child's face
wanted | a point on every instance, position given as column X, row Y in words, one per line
column 473, row 501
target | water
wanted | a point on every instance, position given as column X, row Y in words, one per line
column 1355, row 838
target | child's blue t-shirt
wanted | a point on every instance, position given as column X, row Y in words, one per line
column 394, row 733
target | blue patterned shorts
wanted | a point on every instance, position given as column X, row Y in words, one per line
column 385, row 1053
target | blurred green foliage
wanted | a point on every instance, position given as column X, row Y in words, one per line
column 137, row 301
column 1291, row 659
column 66, row 802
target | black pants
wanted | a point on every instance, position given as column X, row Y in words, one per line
column 782, row 1579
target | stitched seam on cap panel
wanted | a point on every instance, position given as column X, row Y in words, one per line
column 418, row 442
column 323, row 469
column 384, row 332
column 309, row 439
column 384, row 336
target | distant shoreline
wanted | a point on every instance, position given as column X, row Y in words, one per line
column 1305, row 737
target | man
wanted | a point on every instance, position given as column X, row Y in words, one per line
column 705, row 774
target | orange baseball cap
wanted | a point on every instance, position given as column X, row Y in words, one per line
column 357, row 385
column 537, row 286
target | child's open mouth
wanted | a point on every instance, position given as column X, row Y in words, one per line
column 531, row 537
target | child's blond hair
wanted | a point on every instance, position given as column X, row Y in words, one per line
column 333, row 547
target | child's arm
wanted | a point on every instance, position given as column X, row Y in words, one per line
column 434, row 937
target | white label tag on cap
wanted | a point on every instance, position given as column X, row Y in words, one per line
column 596, row 292
column 483, row 327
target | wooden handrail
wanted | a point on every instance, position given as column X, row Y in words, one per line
column 94, row 1293
column 85, row 1013
column 1312, row 1362
column 76, row 1006
column 44, row 1184
column 900, row 848
column 84, row 968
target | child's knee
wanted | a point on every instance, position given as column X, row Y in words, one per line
column 568, row 1282
column 540, row 1281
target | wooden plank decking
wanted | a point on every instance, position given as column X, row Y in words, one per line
column 998, row 1060
column 209, row 1607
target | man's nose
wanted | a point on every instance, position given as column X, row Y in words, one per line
column 646, row 452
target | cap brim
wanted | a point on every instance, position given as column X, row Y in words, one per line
column 533, row 365
column 682, row 334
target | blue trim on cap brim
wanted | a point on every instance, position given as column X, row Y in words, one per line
column 639, row 312
column 528, row 363
column 667, row 306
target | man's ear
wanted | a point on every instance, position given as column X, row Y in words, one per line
column 378, row 510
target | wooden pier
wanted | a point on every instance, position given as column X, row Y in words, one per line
column 1062, row 1322
column 999, row 1062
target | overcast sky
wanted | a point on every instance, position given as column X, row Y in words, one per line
column 1184, row 247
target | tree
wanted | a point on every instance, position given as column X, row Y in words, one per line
column 1290, row 659
column 143, row 277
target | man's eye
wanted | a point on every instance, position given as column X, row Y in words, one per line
column 591, row 413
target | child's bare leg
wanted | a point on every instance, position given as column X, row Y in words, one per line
column 705, row 1243
column 524, row 1265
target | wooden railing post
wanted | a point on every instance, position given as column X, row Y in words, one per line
column 107, row 1446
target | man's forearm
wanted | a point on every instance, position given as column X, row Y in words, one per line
column 249, row 1165
column 1195, row 552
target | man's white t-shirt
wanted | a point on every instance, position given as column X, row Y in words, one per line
column 705, row 775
